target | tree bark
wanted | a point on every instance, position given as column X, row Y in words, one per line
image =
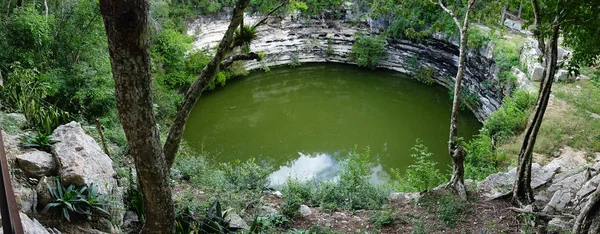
column 589, row 215
column 522, row 192
column 128, row 39
column 206, row 76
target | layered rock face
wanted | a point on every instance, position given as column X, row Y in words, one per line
column 309, row 41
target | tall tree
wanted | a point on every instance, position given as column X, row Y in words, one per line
column 577, row 22
column 128, row 33
column 457, row 153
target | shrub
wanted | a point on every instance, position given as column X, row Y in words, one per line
column 296, row 193
column 422, row 175
column 511, row 117
column 247, row 175
column 25, row 90
column 383, row 218
column 353, row 190
column 481, row 159
column 368, row 51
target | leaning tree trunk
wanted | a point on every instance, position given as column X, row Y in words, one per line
column 522, row 192
column 126, row 24
column 588, row 220
column 206, row 76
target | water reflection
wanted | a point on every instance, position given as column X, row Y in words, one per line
column 319, row 167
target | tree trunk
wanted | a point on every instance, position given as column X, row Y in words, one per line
column 589, row 215
column 455, row 150
column 128, row 39
column 206, row 76
column 522, row 192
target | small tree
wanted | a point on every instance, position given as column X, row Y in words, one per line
column 457, row 153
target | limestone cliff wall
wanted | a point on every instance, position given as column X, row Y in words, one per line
column 308, row 41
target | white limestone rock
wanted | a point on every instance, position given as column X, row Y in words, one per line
column 81, row 160
column 36, row 163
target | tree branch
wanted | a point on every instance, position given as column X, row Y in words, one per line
column 239, row 57
column 449, row 12
column 263, row 20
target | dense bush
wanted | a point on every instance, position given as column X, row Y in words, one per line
column 422, row 175
column 367, row 51
column 510, row 119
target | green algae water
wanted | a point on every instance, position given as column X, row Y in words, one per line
column 304, row 120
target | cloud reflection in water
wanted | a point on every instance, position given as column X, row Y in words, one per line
column 317, row 167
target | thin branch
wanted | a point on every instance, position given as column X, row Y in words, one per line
column 449, row 12
column 263, row 20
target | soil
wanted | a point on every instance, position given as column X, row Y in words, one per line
column 480, row 217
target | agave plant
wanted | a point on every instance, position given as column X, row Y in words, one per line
column 83, row 201
column 215, row 220
column 40, row 141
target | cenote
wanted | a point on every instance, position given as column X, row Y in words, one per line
column 304, row 120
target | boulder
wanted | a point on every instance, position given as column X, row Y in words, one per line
column 564, row 76
column 304, row 210
column 557, row 225
column 81, row 160
column 499, row 184
column 537, row 72
column 523, row 82
column 235, row 221
column 43, row 194
column 31, row 226
column 26, row 197
column 36, row 163
column 558, row 202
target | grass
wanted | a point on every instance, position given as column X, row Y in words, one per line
column 571, row 119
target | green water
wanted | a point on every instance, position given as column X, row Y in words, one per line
column 304, row 120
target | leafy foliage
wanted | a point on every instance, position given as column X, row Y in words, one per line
column 422, row 175
column 82, row 201
column 511, row 117
column 269, row 223
column 352, row 191
column 368, row 51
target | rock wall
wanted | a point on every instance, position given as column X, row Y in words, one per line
column 309, row 41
